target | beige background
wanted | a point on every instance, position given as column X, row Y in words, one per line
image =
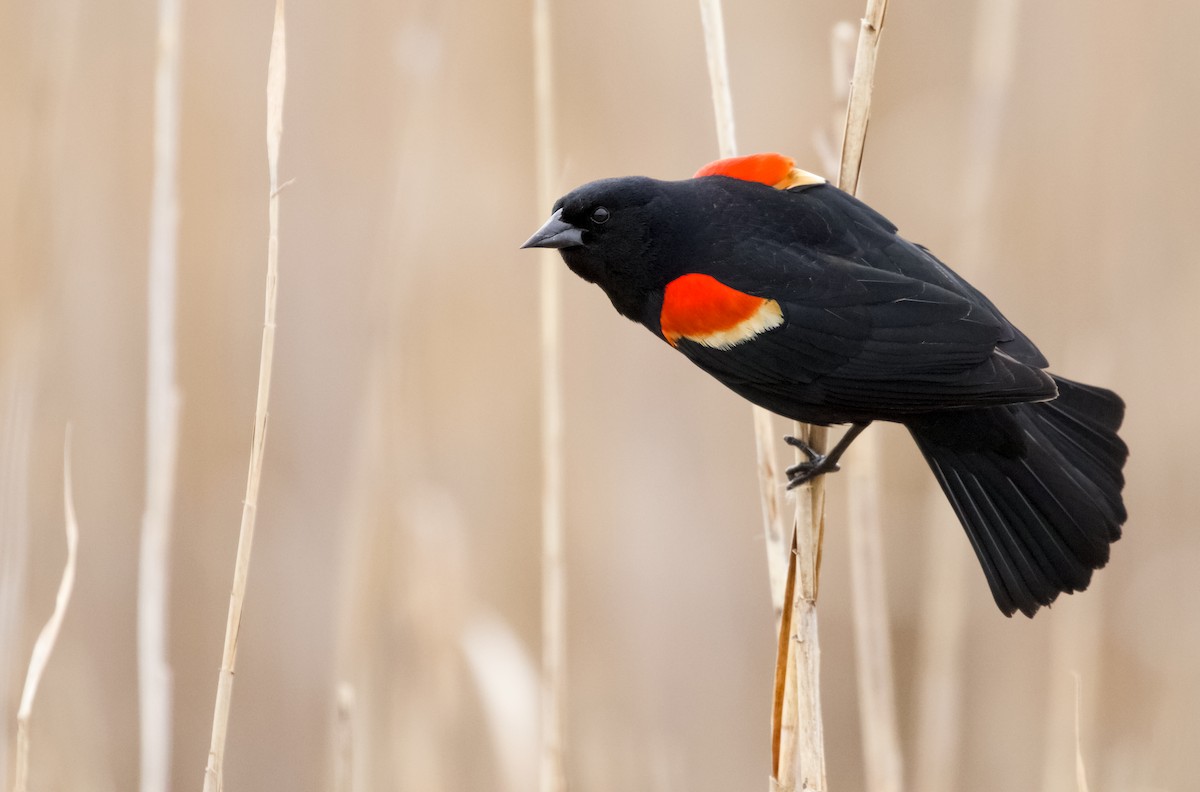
column 400, row 505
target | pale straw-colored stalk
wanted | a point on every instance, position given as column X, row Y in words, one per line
column 862, row 87
column 37, row 176
column 44, row 646
column 801, row 761
column 770, row 494
column 713, row 22
column 1075, row 643
column 162, row 414
column 1081, row 783
column 506, row 681
column 552, row 773
column 939, row 653
column 780, row 545
column 798, row 750
column 214, row 771
column 882, row 761
column 883, row 764
column 17, row 389
column 810, row 506
column 765, row 440
column 343, row 738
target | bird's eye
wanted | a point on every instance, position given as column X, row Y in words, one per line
column 600, row 215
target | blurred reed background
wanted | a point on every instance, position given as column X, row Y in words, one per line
column 397, row 553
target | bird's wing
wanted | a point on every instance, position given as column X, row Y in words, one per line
column 872, row 239
column 819, row 329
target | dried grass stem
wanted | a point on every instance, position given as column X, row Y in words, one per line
column 276, row 82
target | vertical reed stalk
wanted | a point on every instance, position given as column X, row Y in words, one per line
column 939, row 661
column 552, row 773
column 35, row 174
column 770, row 494
column 506, row 684
column 798, row 750
column 44, row 646
column 1076, row 644
column 781, row 554
column 17, row 390
column 214, row 772
column 1081, row 782
column 765, row 442
column 810, row 505
column 862, row 87
column 162, row 415
column 883, row 764
column 804, row 768
column 713, row 22
column 345, row 719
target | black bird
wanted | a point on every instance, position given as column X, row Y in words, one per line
column 805, row 301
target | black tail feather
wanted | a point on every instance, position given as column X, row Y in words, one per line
column 1037, row 487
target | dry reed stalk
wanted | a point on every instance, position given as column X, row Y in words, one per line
column 552, row 776
column 882, row 761
column 770, row 496
column 943, row 614
column 1081, row 783
column 843, row 41
column 810, row 502
column 506, row 680
column 1075, row 643
column 862, row 86
column 17, row 385
column 343, row 739
column 994, row 51
column 364, row 606
column 784, row 710
column 940, row 650
column 162, row 414
column 276, row 81
column 713, row 22
column 44, row 646
column 780, row 548
column 805, row 768
column 798, row 750
column 876, row 687
column 765, row 443
column 36, row 175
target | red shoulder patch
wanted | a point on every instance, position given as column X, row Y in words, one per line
column 702, row 309
column 768, row 169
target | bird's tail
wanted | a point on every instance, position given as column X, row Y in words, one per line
column 1037, row 486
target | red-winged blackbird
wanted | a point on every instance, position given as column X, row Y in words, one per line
column 805, row 301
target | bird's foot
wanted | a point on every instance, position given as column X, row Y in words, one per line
column 816, row 465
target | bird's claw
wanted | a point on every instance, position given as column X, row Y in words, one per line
column 804, row 447
column 817, row 465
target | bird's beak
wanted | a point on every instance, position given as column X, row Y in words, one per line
column 555, row 234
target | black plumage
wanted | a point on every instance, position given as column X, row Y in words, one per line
column 873, row 327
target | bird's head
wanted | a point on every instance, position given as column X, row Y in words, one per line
column 632, row 236
column 610, row 233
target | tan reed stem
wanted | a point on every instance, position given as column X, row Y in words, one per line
column 44, row 645
column 214, row 772
column 552, row 773
column 162, row 415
